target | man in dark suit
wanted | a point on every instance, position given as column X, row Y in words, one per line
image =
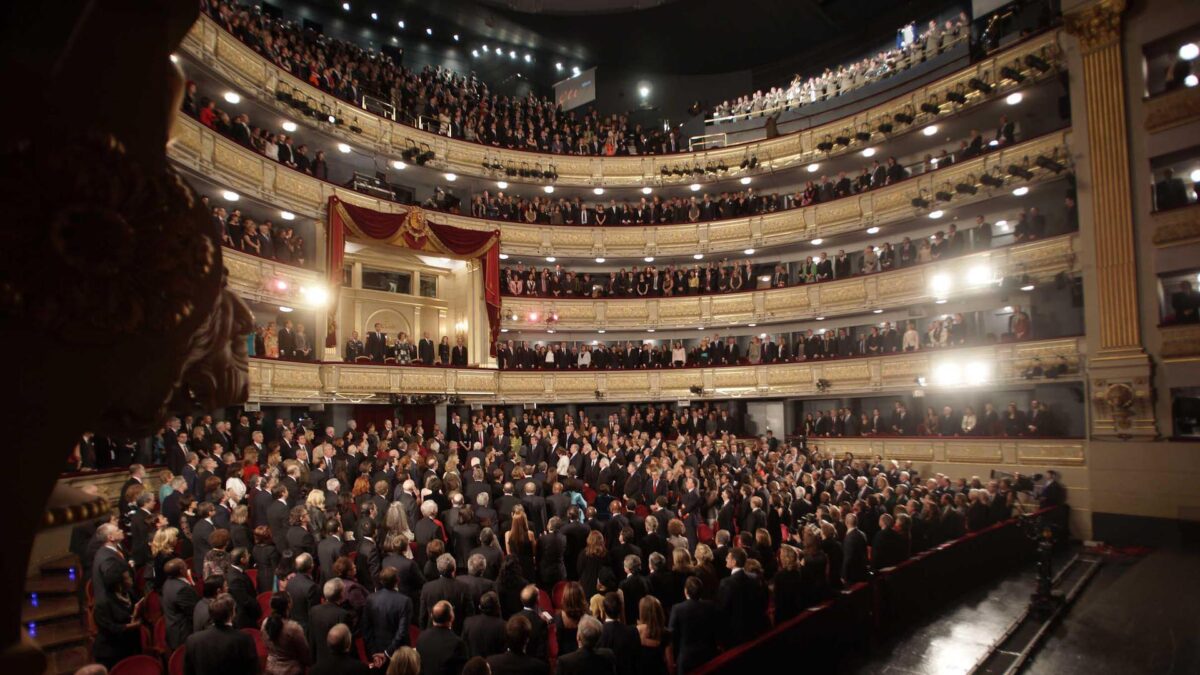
column 589, row 659
column 369, row 560
column 516, row 660
column 446, row 588
column 484, row 632
column 854, row 552
column 888, row 548
column 441, row 650
column 695, row 628
column 287, row 340
column 386, row 617
column 425, row 349
column 109, row 562
column 325, row 616
column 475, row 580
column 623, row 640
column 377, row 343
column 141, row 528
column 338, row 656
column 245, row 596
column 331, row 548
column 179, row 600
column 304, row 591
column 633, row 587
column 742, row 601
column 201, row 531
column 535, row 508
column 538, row 640
column 299, row 539
column 278, row 515
column 221, row 649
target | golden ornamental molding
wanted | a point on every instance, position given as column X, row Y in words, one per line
column 1176, row 226
column 293, row 382
column 1040, row 259
column 217, row 49
column 1171, row 109
column 201, row 151
column 1180, row 341
column 1098, row 25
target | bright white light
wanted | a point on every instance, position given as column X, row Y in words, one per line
column 512, row 54
column 993, row 143
column 346, row 6
column 930, row 130
column 749, row 251
column 649, row 258
column 698, row 256
column 765, row 277
column 877, row 311
column 1014, row 98
column 232, row 97
column 287, row 215
column 475, row 52
column 174, row 59
column 374, row 16
column 558, row 65
column 820, row 318
column 288, row 126
column 868, row 152
column 343, row 148
column 937, row 214
column 398, row 165
column 646, row 190
column 575, row 71
column 649, row 330
column 817, row 242
column 699, row 327
column 1189, row 51
column 456, row 37
column 503, row 330
column 643, row 91
column 549, row 189
column 598, row 191
column 1002, row 224
column 602, row 331
column 429, row 31
column 1008, row 309
column 504, row 256
column 550, row 258
column 600, row 260
column 814, row 167
column 550, row 331
column 1195, row 176
column 948, row 373
column 317, row 296
column 1027, row 287
column 528, row 58
column 745, row 180
column 872, row 230
column 332, row 119
column 285, row 310
column 503, row 185
column 762, row 336
column 533, row 316
column 230, row 196
column 979, row 275
column 1021, row 191
column 751, row 325
column 451, row 177
column 401, row 24
column 978, row 372
column 695, row 187
column 484, row 48
column 939, row 285
column 1191, row 80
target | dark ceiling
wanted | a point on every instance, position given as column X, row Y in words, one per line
column 684, row 37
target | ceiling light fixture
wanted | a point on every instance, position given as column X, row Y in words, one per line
column 817, row 242
column 749, row 251
column 1189, row 51
column 598, row 191
column 398, row 165
column 649, row 258
column 872, row 230
column 695, row 187
column 451, row 177
column 429, row 31
column 600, row 261
column 937, row 214
column 503, row 185
column 1014, row 98
column 814, row 167
column 868, row 152
column 1021, row 191
column 745, row 180
column 343, row 148
column 698, row 256
column 930, row 130
column 230, row 196
column 504, row 256
column 549, row 189
column 232, row 97
column 647, row 190
column 289, row 126
column 287, row 215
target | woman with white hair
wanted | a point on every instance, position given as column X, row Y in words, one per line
column 396, row 520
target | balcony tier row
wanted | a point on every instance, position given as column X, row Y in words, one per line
column 255, row 75
column 203, row 151
column 296, row 382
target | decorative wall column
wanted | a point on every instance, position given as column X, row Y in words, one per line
column 1118, row 368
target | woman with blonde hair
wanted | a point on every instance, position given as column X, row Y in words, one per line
column 249, row 463
column 316, row 513
column 405, row 661
column 706, row 570
column 651, row 657
column 164, row 484
column 786, row 585
column 396, row 520
column 239, row 531
column 162, row 548
column 675, row 534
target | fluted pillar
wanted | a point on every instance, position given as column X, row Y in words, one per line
column 1119, row 370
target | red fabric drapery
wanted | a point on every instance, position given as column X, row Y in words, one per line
column 410, row 229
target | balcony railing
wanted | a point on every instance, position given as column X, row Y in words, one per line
column 1041, row 260
column 296, row 382
column 204, row 152
column 254, row 75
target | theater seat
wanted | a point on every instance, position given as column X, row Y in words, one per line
column 264, row 603
column 175, row 665
column 259, row 646
column 137, row 665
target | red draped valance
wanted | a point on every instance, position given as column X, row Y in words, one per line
column 411, row 229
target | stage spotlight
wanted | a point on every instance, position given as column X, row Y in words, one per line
column 931, row 108
column 965, row 189
column 1035, row 61
column 1019, row 172
column 1013, row 74
column 1049, row 164
column 904, row 118
column 991, row 181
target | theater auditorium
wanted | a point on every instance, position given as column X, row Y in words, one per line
column 601, row 337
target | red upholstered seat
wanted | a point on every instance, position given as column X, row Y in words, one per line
column 264, row 603
column 175, row 665
column 138, row 665
column 259, row 646
column 557, row 593
column 152, row 610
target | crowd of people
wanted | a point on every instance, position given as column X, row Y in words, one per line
column 912, row 50
column 258, row 237
column 452, row 104
column 1038, row 421
column 735, row 204
column 284, row 341
column 727, row 276
column 398, row 350
column 517, row 542
column 811, row 345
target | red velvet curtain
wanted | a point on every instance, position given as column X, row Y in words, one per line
column 412, row 230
